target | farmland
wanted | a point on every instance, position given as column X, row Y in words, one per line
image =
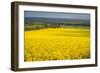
column 57, row 44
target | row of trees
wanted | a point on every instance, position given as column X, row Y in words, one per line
column 35, row 26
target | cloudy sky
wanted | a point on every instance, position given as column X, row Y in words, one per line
column 41, row 14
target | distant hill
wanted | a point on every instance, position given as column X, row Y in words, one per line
column 30, row 20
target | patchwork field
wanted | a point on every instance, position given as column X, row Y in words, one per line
column 57, row 44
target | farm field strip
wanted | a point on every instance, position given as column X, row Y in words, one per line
column 57, row 44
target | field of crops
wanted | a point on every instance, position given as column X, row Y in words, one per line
column 57, row 44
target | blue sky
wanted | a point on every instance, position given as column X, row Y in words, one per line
column 66, row 15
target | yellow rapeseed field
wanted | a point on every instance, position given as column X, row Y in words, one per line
column 57, row 44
